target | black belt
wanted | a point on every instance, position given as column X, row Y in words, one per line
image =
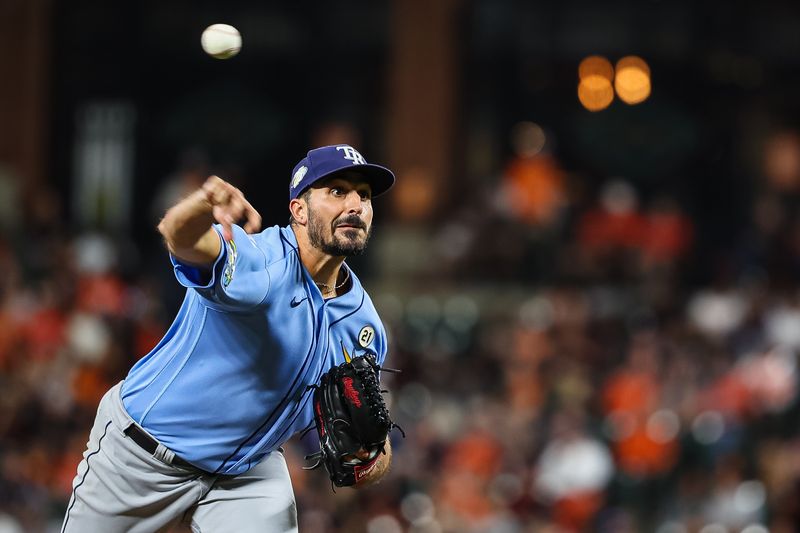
column 149, row 444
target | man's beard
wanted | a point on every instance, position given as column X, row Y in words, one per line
column 349, row 244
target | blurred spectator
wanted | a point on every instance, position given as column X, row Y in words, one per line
column 612, row 233
column 405, row 250
column 668, row 234
column 572, row 472
column 717, row 312
column 735, row 502
column 644, row 434
column 533, row 183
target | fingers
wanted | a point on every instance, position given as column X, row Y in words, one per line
column 361, row 455
column 253, row 218
column 230, row 206
column 226, row 220
column 217, row 191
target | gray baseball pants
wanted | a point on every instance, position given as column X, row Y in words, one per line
column 122, row 488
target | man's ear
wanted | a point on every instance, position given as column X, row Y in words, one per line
column 299, row 210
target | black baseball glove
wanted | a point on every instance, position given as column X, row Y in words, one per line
column 351, row 420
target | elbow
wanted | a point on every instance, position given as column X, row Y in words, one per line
column 164, row 229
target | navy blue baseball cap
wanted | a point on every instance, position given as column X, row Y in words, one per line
column 322, row 162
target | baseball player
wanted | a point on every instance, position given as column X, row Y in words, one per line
column 194, row 432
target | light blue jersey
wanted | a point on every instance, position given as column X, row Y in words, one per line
column 229, row 381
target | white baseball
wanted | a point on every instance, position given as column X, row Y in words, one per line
column 221, row 41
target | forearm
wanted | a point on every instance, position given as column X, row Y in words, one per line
column 187, row 231
column 380, row 469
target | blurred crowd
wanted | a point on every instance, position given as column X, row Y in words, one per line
column 563, row 370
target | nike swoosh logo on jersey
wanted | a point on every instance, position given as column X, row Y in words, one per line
column 295, row 302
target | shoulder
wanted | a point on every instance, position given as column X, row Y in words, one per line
column 275, row 242
column 366, row 306
column 374, row 332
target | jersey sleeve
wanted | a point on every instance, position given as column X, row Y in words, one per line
column 381, row 345
column 238, row 279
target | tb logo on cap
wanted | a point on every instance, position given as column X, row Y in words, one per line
column 351, row 154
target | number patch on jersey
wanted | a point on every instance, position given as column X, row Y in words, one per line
column 365, row 336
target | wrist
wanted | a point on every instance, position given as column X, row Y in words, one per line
column 372, row 471
column 193, row 214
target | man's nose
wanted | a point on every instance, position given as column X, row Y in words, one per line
column 354, row 203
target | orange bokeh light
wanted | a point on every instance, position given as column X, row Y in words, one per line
column 595, row 92
column 633, row 62
column 596, row 66
column 632, row 80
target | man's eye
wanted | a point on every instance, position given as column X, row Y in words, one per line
column 336, row 191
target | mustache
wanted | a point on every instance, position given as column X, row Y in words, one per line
column 351, row 220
